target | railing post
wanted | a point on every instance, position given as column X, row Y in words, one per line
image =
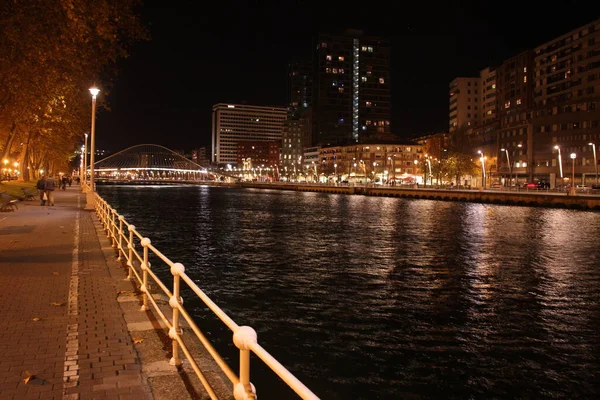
column 111, row 228
column 243, row 337
column 131, row 228
column 120, row 246
column 145, row 266
column 175, row 301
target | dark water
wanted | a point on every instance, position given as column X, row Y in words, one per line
column 382, row 298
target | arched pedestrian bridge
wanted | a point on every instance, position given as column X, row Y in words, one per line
column 151, row 164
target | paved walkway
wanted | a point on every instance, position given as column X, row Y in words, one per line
column 63, row 334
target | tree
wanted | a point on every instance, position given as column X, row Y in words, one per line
column 51, row 52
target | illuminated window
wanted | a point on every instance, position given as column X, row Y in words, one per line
column 335, row 70
column 494, row 86
column 370, row 49
column 525, row 79
column 518, row 101
column 507, row 104
column 328, row 57
column 341, row 70
column 328, row 70
column 333, row 83
column 368, row 104
column 324, row 45
column 341, row 120
column 381, row 80
column 368, row 73
column 363, row 78
column 341, row 58
column 364, row 48
column 525, row 69
column 368, row 122
column 341, row 89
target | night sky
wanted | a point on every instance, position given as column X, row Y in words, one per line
column 203, row 53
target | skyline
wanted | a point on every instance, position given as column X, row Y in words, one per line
column 167, row 87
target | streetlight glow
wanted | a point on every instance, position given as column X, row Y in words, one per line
column 595, row 160
column 482, row 159
column 509, row 164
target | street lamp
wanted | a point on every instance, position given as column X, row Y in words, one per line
column 595, row 160
column 573, row 157
column 335, row 173
column 85, row 164
column 482, row 159
column 90, row 194
column 560, row 168
column 509, row 164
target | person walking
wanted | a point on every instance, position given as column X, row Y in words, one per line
column 41, row 185
column 49, row 186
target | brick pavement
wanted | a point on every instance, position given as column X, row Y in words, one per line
column 61, row 322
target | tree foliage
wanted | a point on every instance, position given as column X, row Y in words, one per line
column 51, row 52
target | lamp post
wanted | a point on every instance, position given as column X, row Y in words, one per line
column 92, row 187
column 560, row 168
column 573, row 157
column 335, row 173
column 595, row 160
column 509, row 165
column 482, row 159
column 85, row 164
column 430, row 173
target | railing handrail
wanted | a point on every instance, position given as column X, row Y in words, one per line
column 122, row 235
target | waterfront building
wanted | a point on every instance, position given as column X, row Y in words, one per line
column 232, row 123
column 254, row 155
column 372, row 162
column 546, row 99
column 351, row 88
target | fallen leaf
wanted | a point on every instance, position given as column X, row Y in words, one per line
column 57, row 304
column 37, row 319
column 137, row 340
column 55, row 273
column 29, row 377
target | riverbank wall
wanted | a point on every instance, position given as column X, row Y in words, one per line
column 521, row 198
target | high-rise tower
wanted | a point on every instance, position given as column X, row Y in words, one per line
column 352, row 88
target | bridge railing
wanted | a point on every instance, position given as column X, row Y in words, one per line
column 124, row 237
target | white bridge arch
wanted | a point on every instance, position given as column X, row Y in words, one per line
column 151, row 163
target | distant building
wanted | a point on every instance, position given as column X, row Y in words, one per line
column 297, row 129
column 472, row 101
column 351, row 88
column 253, row 153
column 232, row 123
column 201, row 156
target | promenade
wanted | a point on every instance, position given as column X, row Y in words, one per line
column 71, row 325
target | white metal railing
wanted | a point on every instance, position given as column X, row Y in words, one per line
column 123, row 237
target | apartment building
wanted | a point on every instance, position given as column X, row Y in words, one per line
column 567, row 105
column 234, row 123
column 472, row 100
column 373, row 162
column 351, row 88
column 546, row 99
column 297, row 129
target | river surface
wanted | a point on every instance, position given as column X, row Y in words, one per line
column 387, row 298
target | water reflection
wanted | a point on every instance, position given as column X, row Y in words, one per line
column 380, row 298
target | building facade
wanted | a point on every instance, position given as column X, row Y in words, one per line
column 547, row 115
column 297, row 129
column 472, row 101
column 351, row 88
column 232, row 123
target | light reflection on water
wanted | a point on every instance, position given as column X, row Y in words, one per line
column 380, row 298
